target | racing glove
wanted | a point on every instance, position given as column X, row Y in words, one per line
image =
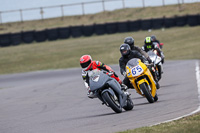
column 110, row 73
column 90, row 94
column 149, row 60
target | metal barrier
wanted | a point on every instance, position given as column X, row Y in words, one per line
column 61, row 10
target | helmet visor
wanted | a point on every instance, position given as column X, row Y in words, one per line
column 85, row 64
column 125, row 52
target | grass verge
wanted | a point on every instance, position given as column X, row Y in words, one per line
column 185, row 125
column 179, row 43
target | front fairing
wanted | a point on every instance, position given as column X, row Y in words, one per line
column 138, row 73
column 154, row 57
column 97, row 79
column 135, row 68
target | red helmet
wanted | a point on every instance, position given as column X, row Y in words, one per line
column 86, row 62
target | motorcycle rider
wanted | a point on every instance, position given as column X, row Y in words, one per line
column 150, row 45
column 128, row 54
column 130, row 42
column 154, row 39
column 88, row 64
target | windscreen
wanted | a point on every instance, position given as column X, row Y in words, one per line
column 133, row 62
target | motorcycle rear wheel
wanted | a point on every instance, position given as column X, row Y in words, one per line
column 111, row 102
column 147, row 92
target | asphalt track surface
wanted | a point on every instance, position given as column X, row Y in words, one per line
column 56, row 102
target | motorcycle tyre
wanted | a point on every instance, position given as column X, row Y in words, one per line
column 147, row 93
column 159, row 76
column 129, row 105
column 156, row 98
column 111, row 103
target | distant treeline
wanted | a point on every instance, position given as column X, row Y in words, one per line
column 11, row 39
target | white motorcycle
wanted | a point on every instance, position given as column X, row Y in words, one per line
column 157, row 61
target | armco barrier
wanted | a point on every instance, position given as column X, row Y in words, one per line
column 52, row 34
column 111, row 28
column 157, row 23
column 146, row 24
column 99, row 29
column 88, row 30
column 193, row 20
column 169, row 22
column 5, row 40
column 28, row 36
column 64, row 33
column 181, row 21
column 122, row 26
column 16, row 38
column 76, row 31
column 40, row 36
column 134, row 25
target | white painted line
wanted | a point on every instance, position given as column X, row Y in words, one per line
column 198, row 87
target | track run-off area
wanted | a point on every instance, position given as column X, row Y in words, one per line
column 55, row 101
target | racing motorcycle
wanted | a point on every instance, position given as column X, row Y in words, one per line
column 161, row 53
column 157, row 63
column 141, row 79
column 109, row 91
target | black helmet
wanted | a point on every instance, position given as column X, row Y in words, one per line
column 153, row 37
column 129, row 41
column 125, row 49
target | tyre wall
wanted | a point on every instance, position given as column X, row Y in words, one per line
column 98, row 29
column 5, row 40
column 64, row 33
column 88, row 30
column 28, row 36
column 134, row 25
column 40, row 36
column 52, row 34
column 76, row 31
column 16, row 38
column 111, row 28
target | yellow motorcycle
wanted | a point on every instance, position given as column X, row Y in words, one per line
column 142, row 79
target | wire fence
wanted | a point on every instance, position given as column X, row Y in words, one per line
column 41, row 13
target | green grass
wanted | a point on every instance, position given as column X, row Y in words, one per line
column 185, row 125
column 103, row 17
column 179, row 43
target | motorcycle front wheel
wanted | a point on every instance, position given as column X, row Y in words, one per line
column 112, row 102
column 147, row 92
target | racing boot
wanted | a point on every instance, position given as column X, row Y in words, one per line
column 157, row 85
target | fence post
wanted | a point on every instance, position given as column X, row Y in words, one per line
column 163, row 2
column 21, row 15
column 123, row 2
column 103, row 5
column 83, row 11
column 0, row 18
column 143, row 3
column 62, row 12
column 41, row 12
column 182, row 1
column 179, row 5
